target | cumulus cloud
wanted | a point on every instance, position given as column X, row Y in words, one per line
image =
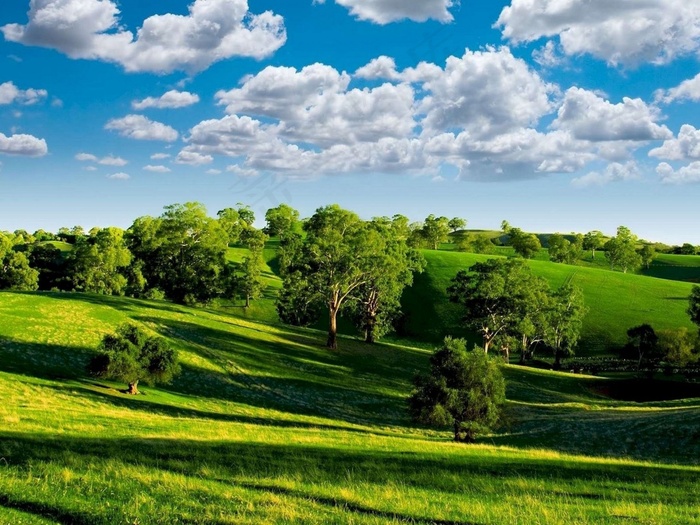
column 486, row 93
column 109, row 160
column 23, row 145
column 9, row 93
column 684, row 175
column 614, row 172
column 622, row 32
column 548, row 55
column 193, row 158
column 382, row 67
column 687, row 90
column 684, row 147
column 387, row 11
column 157, row 169
column 241, row 171
column 119, row 176
column 590, row 117
column 213, row 30
column 173, row 99
column 142, row 128
column 160, row 156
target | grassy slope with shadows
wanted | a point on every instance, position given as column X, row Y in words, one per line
column 616, row 301
column 267, row 426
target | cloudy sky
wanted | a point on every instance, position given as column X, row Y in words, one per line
column 555, row 115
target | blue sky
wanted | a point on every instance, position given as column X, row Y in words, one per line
column 557, row 116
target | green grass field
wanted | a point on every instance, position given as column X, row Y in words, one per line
column 266, row 426
column 616, row 301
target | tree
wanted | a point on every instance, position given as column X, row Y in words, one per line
column 564, row 321
column 678, row 347
column 593, row 241
column 15, row 272
column 131, row 356
column 559, row 248
column 378, row 301
column 457, row 223
column 435, row 230
column 51, row 265
column 481, row 243
column 281, row 221
column 647, row 253
column 688, row 249
column 334, row 261
column 183, row 252
column 642, row 340
column 249, row 282
column 525, row 244
column 621, row 250
column 492, row 293
column 96, row 262
column 694, row 305
column 464, row 390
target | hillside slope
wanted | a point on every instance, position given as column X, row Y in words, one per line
column 266, row 426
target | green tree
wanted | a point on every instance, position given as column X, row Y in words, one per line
column 282, row 221
column 678, row 347
column 694, row 305
column 492, row 294
column 621, row 250
column 183, row 252
column 457, row 223
column 335, row 261
column 559, row 248
column 51, row 265
column 435, row 230
column 96, row 263
column 391, row 269
column 131, row 356
column 463, row 390
column 642, row 340
column 249, row 281
column 688, row 249
column 593, row 241
column 564, row 321
column 647, row 253
column 525, row 244
column 15, row 272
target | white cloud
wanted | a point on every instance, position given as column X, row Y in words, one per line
column 685, row 147
column 684, row 175
column 9, row 93
column 157, row 169
column 242, row 172
column 172, row 99
column 621, row 32
column 486, row 93
column 193, row 158
column 214, row 172
column 119, row 176
column 687, row 90
column 23, row 145
column 548, row 55
column 213, row 30
column 614, row 172
column 386, row 11
column 160, row 156
column 382, row 67
column 590, row 117
column 109, row 160
column 141, row 128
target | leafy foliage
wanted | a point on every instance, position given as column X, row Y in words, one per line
column 621, row 250
column 131, row 356
column 463, row 389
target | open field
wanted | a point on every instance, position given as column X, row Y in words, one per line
column 266, row 426
column 616, row 301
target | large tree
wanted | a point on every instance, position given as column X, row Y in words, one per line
column 621, row 250
column 435, row 230
column 378, row 301
column 592, row 241
column 464, row 390
column 564, row 321
column 643, row 341
column 15, row 272
column 131, row 356
column 282, row 221
column 525, row 244
column 183, row 252
column 493, row 294
column 96, row 263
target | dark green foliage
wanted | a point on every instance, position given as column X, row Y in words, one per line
column 464, row 390
column 647, row 253
column 525, row 244
column 678, row 347
column 131, row 356
column 564, row 319
column 435, row 230
column 295, row 304
column 15, row 272
column 642, row 343
column 51, row 265
column 282, row 221
column 694, row 305
column 96, row 262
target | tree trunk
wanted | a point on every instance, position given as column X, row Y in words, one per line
column 557, row 360
column 133, row 388
column 247, row 300
column 369, row 328
column 332, row 342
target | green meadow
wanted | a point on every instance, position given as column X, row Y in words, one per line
column 265, row 425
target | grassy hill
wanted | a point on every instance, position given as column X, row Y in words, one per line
column 616, row 301
column 266, row 426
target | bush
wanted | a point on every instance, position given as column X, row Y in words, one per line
column 463, row 389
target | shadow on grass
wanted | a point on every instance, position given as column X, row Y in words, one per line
column 256, row 464
column 59, row 515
